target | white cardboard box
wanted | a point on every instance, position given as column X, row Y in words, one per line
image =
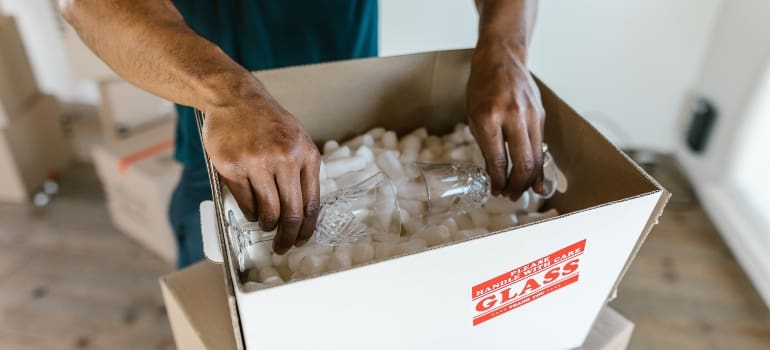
column 32, row 150
column 516, row 288
column 18, row 87
column 139, row 175
column 126, row 109
column 196, row 304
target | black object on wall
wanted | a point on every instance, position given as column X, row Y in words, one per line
column 704, row 115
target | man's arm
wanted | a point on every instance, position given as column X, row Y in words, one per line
column 503, row 100
column 260, row 150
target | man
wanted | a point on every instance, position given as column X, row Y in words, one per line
column 198, row 53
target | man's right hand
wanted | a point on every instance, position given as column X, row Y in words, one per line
column 269, row 163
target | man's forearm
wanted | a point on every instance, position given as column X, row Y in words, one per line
column 148, row 43
column 509, row 22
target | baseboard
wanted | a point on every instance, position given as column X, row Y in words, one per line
column 740, row 233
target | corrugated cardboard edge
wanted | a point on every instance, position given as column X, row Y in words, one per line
column 216, row 193
column 196, row 314
column 662, row 201
column 654, row 215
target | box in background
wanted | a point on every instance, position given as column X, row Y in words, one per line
column 18, row 87
column 32, row 150
column 139, row 175
column 126, row 109
column 196, row 304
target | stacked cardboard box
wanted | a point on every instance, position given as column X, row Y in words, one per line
column 139, row 175
column 32, row 145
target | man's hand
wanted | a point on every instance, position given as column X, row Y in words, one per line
column 269, row 164
column 503, row 100
column 504, row 106
column 261, row 152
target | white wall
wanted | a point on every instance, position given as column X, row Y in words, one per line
column 39, row 27
column 625, row 64
column 734, row 77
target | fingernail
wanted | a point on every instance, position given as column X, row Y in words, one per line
column 515, row 197
column 539, row 187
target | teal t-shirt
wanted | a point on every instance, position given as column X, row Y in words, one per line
column 263, row 34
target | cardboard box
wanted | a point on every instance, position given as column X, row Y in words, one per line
column 196, row 304
column 139, row 175
column 85, row 64
column 497, row 289
column 126, row 109
column 611, row 331
column 84, row 134
column 18, row 87
column 32, row 150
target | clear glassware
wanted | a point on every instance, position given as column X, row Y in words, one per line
column 450, row 189
column 367, row 208
column 550, row 174
column 350, row 213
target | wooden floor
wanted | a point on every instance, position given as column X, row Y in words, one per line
column 69, row 280
column 685, row 290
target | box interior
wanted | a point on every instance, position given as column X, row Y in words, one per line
column 428, row 90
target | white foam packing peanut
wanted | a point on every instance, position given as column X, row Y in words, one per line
column 312, row 264
column 297, row 254
column 339, row 153
column 503, row 205
column 435, row 235
column 322, row 176
column 479, row 217
column 339, row 166
column 259, row 255
column 377, row 133
column 390, row 165
column 365, row 152
column 410, row 148
column 389, row 140
column 384, row 250
column 330, row 146
column 362, row 252
column 413, row 191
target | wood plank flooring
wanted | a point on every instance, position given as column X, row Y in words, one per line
column 685, row 290
column 69, row 280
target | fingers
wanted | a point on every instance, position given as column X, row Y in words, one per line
column 536, row 139
column 291, row 217
column 522, row 160
column 266, row 195
column 490, row 139
column 311, row 194
column 241, row 191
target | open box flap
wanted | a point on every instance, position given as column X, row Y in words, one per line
column 428, row 90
